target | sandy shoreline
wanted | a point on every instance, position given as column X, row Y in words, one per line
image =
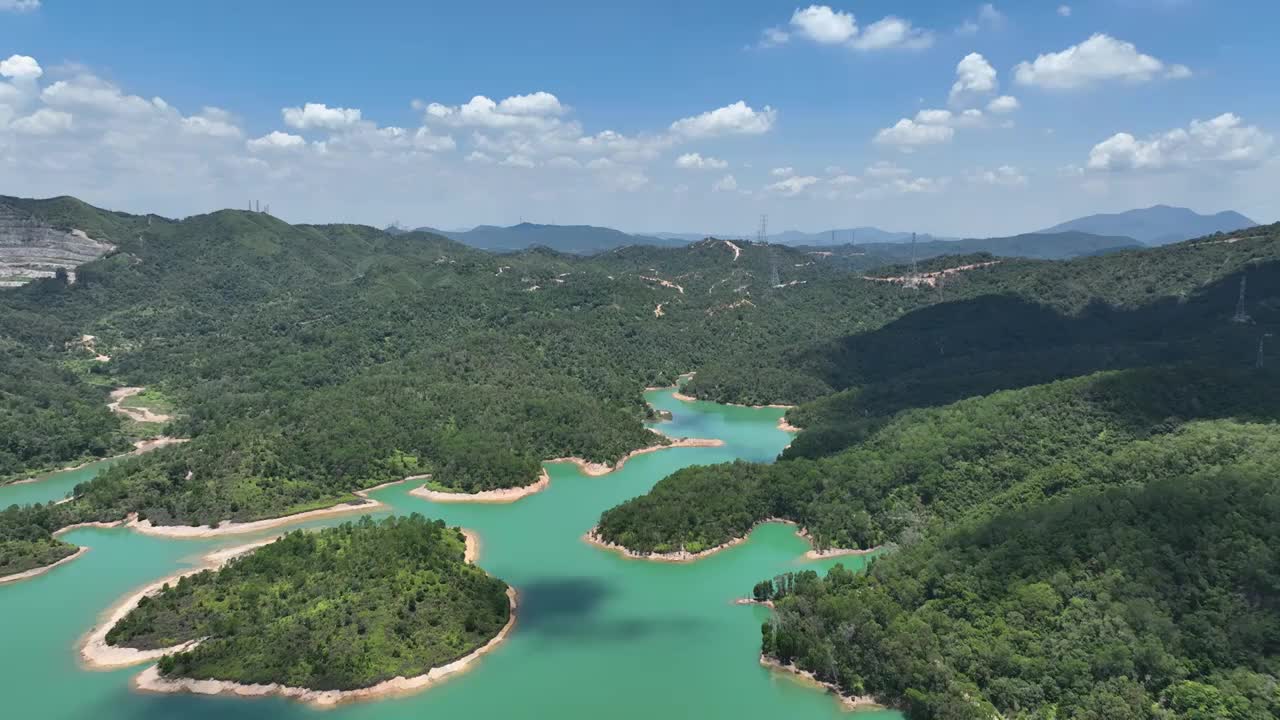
column 365, row 504
column 96, row 654
column 785, row 426
column 690, row 399
column 850, row 702
column 502, row 495
column 683, row 556
column 150, row 681
column 35, row 572
column 139, row 447
column 597, row 469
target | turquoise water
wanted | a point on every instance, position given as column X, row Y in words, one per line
column 597, row 635
column 51, row 486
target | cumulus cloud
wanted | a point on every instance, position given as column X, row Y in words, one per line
column 908, row 134
column 314, row 116
column 1064, row 10
column 885, row 169
column 1003, row 176
column 892, row 32
column 844, row 180
column 792, row 186
column 19, row 5
column 1101, row 58
column 1003, row 104
column 276, row 140
column 88, row 92
column 42, row 122
column 20, row 67
column 782, row 172
column 728, row 183
column 974, row 76
column 825, row 26
column 535, row 110
column 696, row 161
column 212, row 122
column 736, row 119
column 821, row 24
column 1224, row 143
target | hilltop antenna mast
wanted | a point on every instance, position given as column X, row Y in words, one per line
column 1242, row 315
column 762, row 235
column 914, row 280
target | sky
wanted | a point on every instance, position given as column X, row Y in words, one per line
column 952, row 118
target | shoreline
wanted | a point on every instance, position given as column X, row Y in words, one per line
column 97, row 654
column 364, row 503
column 139, row 447
column 592, row 537
column 38, row 571
column 499, row 496
column 678, row 556
column 850, row 702
column 595, row 469
column 149, row 680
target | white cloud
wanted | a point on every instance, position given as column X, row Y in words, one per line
column 91, row 93
column 43, row 122
column 1224, row 142
column 427, row 141
column 276, row 140
column 1064, row 10
column 908, row 134
column 988, row 13
column 885, row 169
column 933, row 117
column 974, row 76
column 695, row 161
column 601, row 164
column 19, row 5
column 792, row 186
column 738, row 118
column 844, row 180
column 564, row 162
column 1003, row 176
column 538, row 104
column 1003, row 104
column 20, row 67
column 212, row 122
column 728, row 183
column 782, row 172
column 518, row 161
column 535, row 110
column 314, row 116
column 475, row 156
column 627, row 180
column 1099, row 59
column 773, row 37
column 823, row 25
column 892, row 32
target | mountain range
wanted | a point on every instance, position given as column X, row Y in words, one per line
column 1158, row 225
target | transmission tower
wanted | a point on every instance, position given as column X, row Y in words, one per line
column 1242, row 315
column 762, row 235
column 1261, row 354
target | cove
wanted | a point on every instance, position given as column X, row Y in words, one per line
column 597, row 635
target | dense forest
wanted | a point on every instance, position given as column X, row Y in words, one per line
column 1152, row 601
column 338, row 609
column 934, row 465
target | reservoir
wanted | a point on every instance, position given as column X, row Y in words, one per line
column 597, row 635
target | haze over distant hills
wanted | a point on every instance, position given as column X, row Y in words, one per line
column 1157, row 225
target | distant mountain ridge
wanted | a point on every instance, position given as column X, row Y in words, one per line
column 1156, row 225
column 575, row 239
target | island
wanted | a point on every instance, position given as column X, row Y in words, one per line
column 359, row 610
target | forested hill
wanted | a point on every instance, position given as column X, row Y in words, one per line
column 307, row 362
column 1154, row 602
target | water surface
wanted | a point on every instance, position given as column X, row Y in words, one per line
column 597, row 635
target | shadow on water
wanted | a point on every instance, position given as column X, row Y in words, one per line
column 557, row 608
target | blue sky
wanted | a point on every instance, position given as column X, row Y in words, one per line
column 948, row 117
